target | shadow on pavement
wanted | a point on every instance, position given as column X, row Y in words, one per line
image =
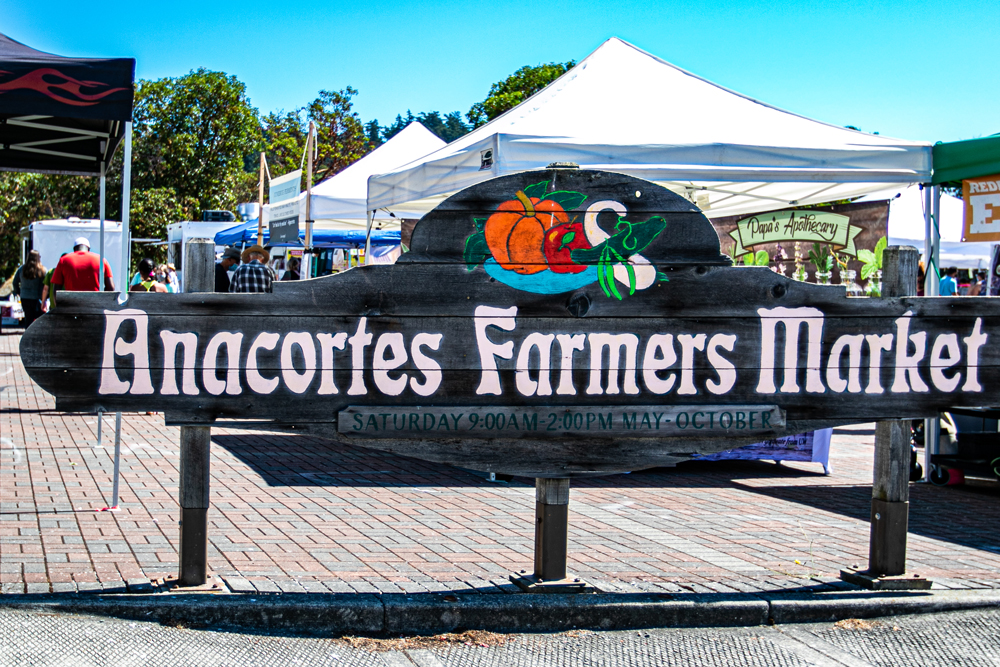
column 299, row 460
column 965, row 515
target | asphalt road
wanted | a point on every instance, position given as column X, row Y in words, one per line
column 957, row 638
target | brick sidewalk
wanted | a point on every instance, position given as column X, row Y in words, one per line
column 295, row 513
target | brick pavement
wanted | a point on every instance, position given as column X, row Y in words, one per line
column 296, row 513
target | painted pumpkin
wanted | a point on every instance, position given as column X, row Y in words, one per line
column 515, row 233
column 562, row 240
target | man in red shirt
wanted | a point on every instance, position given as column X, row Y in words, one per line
column 77, row 271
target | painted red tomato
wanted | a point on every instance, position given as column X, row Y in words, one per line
column 560, row 241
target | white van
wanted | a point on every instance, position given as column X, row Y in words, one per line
column 52, row 238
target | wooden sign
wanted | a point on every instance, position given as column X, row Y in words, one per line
column 548, row 323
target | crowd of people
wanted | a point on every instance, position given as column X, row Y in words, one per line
column 78, row 271
column 950, row 285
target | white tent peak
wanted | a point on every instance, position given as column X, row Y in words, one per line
column 606, row 64
column 625, row 110
column 412, row 142
column 340, row 201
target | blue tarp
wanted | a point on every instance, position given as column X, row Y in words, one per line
column 246, row 232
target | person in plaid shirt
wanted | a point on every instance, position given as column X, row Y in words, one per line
column 254, row 275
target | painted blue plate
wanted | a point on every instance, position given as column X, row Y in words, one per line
column 543, row 282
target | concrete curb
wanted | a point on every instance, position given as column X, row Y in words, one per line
column 395, row 614
column 797, row 608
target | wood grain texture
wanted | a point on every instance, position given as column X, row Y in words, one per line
column 696, row 336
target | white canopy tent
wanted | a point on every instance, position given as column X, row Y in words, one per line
column 907, row 226
column 624, row 110
column 339, row 202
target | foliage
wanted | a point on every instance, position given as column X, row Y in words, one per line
column 821, row 258
column 872, row 261
column 197, row 135
column 25, row 198
column 448, row 127
column 759, row 258
column 519, row 86
column 195, row 141
column 341, row 137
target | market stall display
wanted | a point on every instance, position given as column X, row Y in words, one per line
column 63, row 115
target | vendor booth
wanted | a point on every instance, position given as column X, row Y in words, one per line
column 339, row 203
column 336, row 248
column 971, row 448
column 342, row 198
column 727, row 153
column 63, row 115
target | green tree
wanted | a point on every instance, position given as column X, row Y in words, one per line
column 341, row 137
column 516, row 88
column 448, row 126
column 198, row 136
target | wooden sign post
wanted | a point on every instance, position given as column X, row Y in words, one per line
column 196, row 444
column 549, row 324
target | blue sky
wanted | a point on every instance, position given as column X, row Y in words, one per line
column 915, row 70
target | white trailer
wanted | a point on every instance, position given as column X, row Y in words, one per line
column 52, row 238
column 179, row 233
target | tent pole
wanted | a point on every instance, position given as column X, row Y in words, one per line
column 309, row 184
column 123, row 278
column 931, row 273
column 118, row 458
column 126, row 207
column 260, row 202
column 368, row 238
column 932, row 287
column 100, row 247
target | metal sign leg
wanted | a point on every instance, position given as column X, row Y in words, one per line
column 118, row 454
column 551, row 539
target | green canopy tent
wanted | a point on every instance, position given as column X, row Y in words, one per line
column 958, row 160
column 952, row 162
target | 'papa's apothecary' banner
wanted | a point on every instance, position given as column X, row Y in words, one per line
column 982, row 208
column 809, row 226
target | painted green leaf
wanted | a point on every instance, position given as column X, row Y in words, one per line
column 537, row 191
column 568, row 199
column 566, row 239
column 867, row 270
column 476, row 250
column 762, row 258
column 629, row 240
column 867, row 257
column 480, row 223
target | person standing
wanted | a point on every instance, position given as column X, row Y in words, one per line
column 49, row 294
column 79, row 271
column 292, row 270
column 230, row 258
column 253, row 275
column 147, row 278
column 949, row 285
column 29, row 284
